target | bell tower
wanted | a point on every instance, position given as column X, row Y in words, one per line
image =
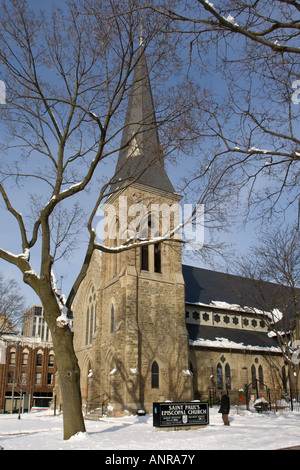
column 141, row 344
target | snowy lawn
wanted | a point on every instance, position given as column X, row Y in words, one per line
column 248, row 431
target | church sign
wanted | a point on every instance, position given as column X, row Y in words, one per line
column 172, row 414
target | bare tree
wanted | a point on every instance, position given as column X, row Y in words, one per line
column 12, row 306
column 68, row 76
column 250, row 48
column 272, row 274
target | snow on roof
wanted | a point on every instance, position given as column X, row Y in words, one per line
column 214, row 289
column 227, row 344
column 24, row 339
column 231, row 338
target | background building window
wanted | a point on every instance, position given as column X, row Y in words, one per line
column 12, row 358
column 38, row 378
column 23, row 378
column 51, row 360
column 50, row 379
column 39, row 360
column 10, row 377
column 25, row 359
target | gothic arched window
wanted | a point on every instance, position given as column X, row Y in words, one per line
column 145, row 258
column 90, row 319
column 284, row 378
column 253, row 375
column 157, row 258
column 219, row 377
column 112, row 319
column 87, row 322
column 227, row 377
column 91, row 323
column 155, row 375
column 260, row 376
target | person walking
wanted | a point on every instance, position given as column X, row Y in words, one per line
column 225, row 407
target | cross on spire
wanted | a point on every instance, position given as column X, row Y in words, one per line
column 141, row 34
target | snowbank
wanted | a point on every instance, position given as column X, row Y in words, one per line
column 247, row 431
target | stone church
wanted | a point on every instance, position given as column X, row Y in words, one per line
column 146, row 327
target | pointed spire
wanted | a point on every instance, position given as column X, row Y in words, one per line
column 141, row 34
column 140, row 155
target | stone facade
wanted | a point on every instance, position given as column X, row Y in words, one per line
column 138, row 337
column 134, row 329
column 243, row 368
column 224, row 364
column 138, row 351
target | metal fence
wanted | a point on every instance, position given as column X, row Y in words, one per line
column 97, row 403
column 274, row 399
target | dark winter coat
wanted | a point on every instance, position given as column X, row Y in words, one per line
column 225, row 405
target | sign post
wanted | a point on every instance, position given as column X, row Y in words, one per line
column 180, row 415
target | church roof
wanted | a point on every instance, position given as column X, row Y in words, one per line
column 140, row 156
column 223, row 291
column 207, row 286
column 231, row 338
column 219, row 289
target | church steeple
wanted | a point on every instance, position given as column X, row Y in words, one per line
column 140, row 157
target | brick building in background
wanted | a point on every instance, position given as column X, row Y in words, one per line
column 27, row 366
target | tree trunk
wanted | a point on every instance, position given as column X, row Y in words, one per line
column 69, row 379
column 69, row 374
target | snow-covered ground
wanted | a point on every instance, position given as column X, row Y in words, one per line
column 248, row 431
